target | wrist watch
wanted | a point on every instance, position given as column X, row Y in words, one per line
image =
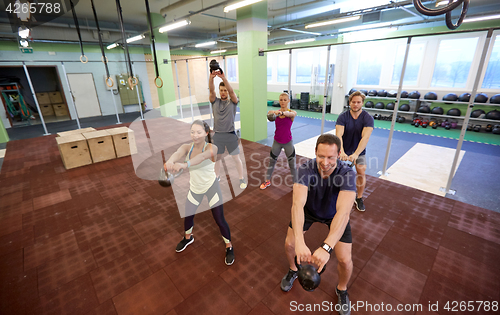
column 327, row 247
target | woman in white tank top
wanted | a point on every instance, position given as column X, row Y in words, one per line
column 199, row 158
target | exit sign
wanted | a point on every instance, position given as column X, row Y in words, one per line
column 26, row 50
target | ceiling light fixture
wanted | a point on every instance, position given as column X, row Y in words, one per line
column 335, row 21
column 24, row 32
column 205, row 44
column 298, row 31
column 239, row 5
column 482, row 18
column 112, row 46
column 175, row 25
column 364, row 27
column 135, row 38
column 300, row 41
column 218, row 51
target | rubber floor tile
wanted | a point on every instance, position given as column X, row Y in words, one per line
column 262, row 224
column 87, row 199
column 362, row 250
column 153, row 295
column 57, row 224
column 419, row 229
column 48, row 249
column 440, row 292
column 400, row 281
column 118, row 275
column 51, row 199
column 476, row 221
column 472, row 246
column 156, row 226
column 11, row 224
column 468, row 272
column 116, row 191
column 106, row 308
column 194, row 270
column 408, row 252
column 434, row 202
column 252, row 289
column 242, row 243
column 19, row 290
column 261, row 309
column 76, row 297
column 372, row 229
column 38, row 190
column 274, row 250
column 11, row 199
column 116, row 244
column 368, row 299
column 133, row 198
column 89, row 234
column 161, row 251
column 57, row 272
column 98, row 213
column 297, row 300
column 137, row 214
column 17, row 240
column 215, row 298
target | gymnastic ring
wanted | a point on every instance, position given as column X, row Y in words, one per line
column 86, row 59
column 112, row 82
column 131, row 82
column 102, row 59
column 158, row 77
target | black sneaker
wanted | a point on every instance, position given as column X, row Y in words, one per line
column 229, row 256
column 184, row 243
column 359, row 204
column 343, row 301
column 288, row 279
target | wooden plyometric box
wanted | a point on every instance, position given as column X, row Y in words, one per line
column 124, row 141
column 100, row 145
column 55, row 97
column 75, row 132
column 74, row 151
column 47, row 110
column 43, row 98
column 60, row 109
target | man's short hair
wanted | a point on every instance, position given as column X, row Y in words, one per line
column 329, row 139
column 284, row 94
column 357, row 93
column 222, row 84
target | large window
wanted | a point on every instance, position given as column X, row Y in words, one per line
column 453, row 62
column 492, row 77
column 232, row 65
column 412, row 65
column 283, row 64
column 370, row 63
column 303, row 64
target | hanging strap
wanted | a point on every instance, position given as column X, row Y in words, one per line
column 75, row 18
column 104, row 59
column 132, row 81
column 153, row 45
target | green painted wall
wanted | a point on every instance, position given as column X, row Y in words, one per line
column 4, row 137
column 252, row 72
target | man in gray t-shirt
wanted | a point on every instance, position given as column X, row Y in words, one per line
column 224, row 110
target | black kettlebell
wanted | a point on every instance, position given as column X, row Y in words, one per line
column 271, row 117
column 435, row 126
column 375, row 116
column 447, row 126
column 470, row 127
column 477, row 128
column 496, row 129
column 167, row 179
column 424, row 125
column 417, row 124
column 308, row 275
column 489, row 128
column 214, row 66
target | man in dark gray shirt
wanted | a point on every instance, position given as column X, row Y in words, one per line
column 224, row 109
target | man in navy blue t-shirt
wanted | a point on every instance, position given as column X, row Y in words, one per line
column 354, row 128
column 324, row 193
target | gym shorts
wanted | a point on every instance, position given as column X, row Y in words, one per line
column 227, row 140
column 310, row 219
